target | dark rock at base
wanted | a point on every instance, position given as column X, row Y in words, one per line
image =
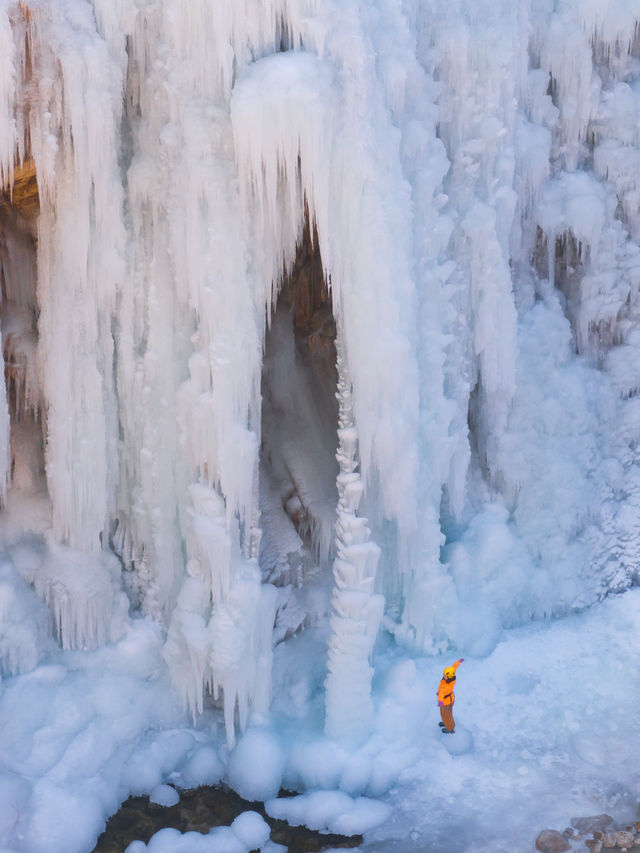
column 198, row 811
column 591, row 824
column 551, row 841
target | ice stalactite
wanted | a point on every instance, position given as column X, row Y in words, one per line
column 220, row 635
column 73, row 127
column 356, row 610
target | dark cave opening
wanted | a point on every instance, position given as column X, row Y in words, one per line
column 298, row 466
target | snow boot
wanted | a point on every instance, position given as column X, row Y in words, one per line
column 441, row 724
column 447, row 731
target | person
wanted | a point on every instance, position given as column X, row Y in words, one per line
column 446, row 698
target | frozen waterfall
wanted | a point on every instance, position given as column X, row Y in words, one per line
column 316, row 312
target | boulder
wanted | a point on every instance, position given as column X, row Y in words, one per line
column 591, row 824
column 551, row 841
column 624, row 839
column 608, row 840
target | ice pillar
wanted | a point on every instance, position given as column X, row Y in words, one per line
column 355, row 610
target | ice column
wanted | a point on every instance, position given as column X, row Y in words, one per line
column 355, row 610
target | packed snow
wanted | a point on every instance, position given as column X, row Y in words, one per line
column 222, row 563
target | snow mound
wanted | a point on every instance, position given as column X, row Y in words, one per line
column 247, row 832
column 251, row 829
column 460, row 742
column 203, row 767
column 164, row 795
column 256, row 765
column 334, row 811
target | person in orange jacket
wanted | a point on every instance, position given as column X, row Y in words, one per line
column 446, row 698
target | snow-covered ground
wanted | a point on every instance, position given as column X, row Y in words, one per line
column 547, row 730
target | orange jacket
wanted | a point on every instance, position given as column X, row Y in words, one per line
column 445, row 690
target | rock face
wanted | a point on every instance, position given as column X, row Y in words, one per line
column 551, row 841
column 23, row 195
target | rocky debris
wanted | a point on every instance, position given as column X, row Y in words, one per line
column 605, row 836
column 551, row 841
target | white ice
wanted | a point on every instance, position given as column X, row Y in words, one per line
column 471, row 170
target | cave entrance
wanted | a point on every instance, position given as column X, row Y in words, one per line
column 19, row 211
column 298, row 467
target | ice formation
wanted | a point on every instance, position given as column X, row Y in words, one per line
column 429, row 209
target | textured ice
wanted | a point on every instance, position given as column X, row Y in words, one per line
column 470, row 173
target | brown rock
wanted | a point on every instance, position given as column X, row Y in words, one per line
column 23, row 194
column 608, row 840
column 624, row 839
column 551, row 841
column 591, row 824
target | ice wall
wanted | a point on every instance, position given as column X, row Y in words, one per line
column 470, row 170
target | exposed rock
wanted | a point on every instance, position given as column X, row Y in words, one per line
column 608, row 840
column 624, row 839
column 23, row 194
column 595, row 844
column 551, row 841
column 571, row 833
column 591, row 824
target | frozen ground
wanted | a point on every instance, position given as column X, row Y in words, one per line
column 547, row 730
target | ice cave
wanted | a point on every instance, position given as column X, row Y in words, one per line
column 320, row 325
